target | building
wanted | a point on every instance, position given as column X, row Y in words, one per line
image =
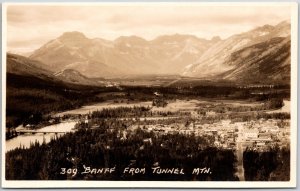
column 250, row 134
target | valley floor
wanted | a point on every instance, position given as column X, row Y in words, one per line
column 225, row 125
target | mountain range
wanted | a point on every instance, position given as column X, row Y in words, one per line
column 123, row 56
column 261, row 53
column 222, row 56
column 26, row 67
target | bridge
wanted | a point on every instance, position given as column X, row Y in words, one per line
column 26, row 131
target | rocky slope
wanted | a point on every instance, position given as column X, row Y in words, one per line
column 123, row 56
column 239, row 54
column 263, row 52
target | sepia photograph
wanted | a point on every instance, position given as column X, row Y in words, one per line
column 149, row 95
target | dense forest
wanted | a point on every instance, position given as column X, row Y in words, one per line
column 30, row 100
column 107, row 142
column 270, row 165
column 100, row 148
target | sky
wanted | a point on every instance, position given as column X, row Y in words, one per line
column 31, row 26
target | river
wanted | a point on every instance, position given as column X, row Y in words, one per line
column 285, row 109
column 25, row 140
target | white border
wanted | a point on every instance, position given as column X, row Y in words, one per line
column 165, row 184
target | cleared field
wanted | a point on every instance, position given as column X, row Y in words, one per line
column 173, row 106
column 180, row 105
column 239, row 103
column 100, row 106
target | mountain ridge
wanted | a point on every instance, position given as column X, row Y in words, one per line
column 26, row 67
column 124, row 56
column 214, row 62
column 177, row 54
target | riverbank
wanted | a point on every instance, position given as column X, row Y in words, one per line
column 26, row 139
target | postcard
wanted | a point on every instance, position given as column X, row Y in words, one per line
column 149, row 95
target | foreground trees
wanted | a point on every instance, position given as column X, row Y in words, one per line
column 270, row 165
column 102, row 148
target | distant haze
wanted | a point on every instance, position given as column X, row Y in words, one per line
column 31, row 26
